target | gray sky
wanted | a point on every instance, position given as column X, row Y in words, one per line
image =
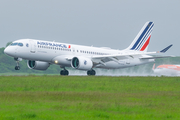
column 102, row 23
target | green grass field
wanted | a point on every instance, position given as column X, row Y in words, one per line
column 89, row 98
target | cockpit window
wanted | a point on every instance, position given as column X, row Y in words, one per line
column 13, row 44
column 20, row 44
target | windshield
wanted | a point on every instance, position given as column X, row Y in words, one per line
column 17, row 44
column 13, row 44
column 20, row 44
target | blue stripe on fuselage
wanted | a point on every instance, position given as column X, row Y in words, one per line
column 139, row 39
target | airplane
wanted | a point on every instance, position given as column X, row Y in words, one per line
column 167, row 70
column 41, row 54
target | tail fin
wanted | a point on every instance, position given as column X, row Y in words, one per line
column 141, row 41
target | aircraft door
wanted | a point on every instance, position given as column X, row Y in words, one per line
column 33, row 46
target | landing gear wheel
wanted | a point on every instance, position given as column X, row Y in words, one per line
column 88, row 72
column 91, row 72
column 64, row 72
column 61, row 72
column 17, row 67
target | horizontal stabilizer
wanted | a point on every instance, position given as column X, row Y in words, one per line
column 165, row 49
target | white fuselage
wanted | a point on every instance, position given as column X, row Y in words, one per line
column 62, row 53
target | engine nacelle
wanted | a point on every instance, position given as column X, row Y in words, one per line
column 37, row 65
column 81, row 63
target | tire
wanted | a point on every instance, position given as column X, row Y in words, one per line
column 64, row 72
column 91, row 72
column 17, row 67
column 88, row 72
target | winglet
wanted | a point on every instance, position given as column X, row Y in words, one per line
column 165, row 49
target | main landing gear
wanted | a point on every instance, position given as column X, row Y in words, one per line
column 64, row 72
column 91, row 72
column 17, row 67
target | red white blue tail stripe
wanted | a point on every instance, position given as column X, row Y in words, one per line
column 141, row 41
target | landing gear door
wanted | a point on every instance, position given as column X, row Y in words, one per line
column 33, row 46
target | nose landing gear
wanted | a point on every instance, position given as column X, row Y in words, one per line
column 17, row 67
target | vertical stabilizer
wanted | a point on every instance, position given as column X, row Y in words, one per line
column 141, row 41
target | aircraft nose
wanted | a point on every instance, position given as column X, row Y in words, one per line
column 6, row 51
column 9, row 51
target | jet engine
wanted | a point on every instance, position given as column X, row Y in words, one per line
column 81, row 63
column 37, row 65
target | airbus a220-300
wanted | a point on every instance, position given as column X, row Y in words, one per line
column 41, row 54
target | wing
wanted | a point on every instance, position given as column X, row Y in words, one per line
column 116, row 57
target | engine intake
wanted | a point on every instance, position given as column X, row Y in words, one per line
column 37, row 65
column 81, row 63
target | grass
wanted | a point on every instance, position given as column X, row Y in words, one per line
column 87, row 97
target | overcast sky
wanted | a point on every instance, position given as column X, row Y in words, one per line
column 101, row 23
